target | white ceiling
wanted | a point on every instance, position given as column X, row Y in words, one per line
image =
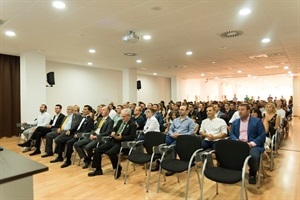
column 176, row 26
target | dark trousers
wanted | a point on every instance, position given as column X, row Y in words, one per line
column 60, row 141
column 109, row 148
column 206, row 144
column 86, row 144
column 254, row 161
column 38, row 134
column 70, row 144
column 49, row 141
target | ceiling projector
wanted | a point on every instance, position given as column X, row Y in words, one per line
column 131, row 37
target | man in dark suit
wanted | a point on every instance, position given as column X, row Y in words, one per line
column 85, row 126
column 125, row 130
column 69, row 125
column 251, row 130
column 103, row 127
column 41, row 131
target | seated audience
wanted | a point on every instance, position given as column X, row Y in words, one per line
column 212, row 128
column 41, row 131
column 102, row 128
column 85, row 126
column 251, row 130
column 125, row 130
column 43, row 119
column 151, row 123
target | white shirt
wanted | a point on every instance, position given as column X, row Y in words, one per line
column 281, row 114
column 215, row 126
column 112, row 113
column 43, row 119
column 234, row 117
column 151, row 124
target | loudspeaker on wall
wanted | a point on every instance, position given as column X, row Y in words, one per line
column 139, row 85
column 50, row 78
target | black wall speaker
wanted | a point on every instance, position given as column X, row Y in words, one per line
column 138, row 85
column 50, row 78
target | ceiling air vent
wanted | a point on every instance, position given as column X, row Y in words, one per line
column 129, row 54
column 231, row 34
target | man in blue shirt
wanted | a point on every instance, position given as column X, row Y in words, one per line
column 183, row 125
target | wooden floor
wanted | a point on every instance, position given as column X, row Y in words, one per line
column 73, row 183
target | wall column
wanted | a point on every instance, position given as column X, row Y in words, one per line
column 176, row 89
column 129, row 85
column 296, row 96
column 33, row 84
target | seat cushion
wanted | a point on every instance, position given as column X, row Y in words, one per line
column 175, row 166
column 139, row 158
column 222, row 175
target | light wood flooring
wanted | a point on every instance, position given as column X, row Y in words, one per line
column 73, row 183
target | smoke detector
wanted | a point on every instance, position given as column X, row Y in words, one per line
column 131, row 37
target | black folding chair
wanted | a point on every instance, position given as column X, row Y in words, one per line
column 232, row 157
column 188, row 148
column 151, row 142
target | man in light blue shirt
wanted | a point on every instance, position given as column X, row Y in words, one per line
column 182, row 125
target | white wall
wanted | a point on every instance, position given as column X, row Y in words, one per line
column 33, row 81
column 83, row 85
column 154, row 89
column 276, row 86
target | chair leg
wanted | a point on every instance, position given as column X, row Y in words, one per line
column 187, row 183
column 201, row 186
column 148, row 181
column 178, row 178
column 126, row 172
column 158, row 181
column 217, row 188
column 145, row 166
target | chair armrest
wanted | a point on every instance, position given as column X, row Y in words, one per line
column 156, row 148
column 132, row 144
column 245, row 166
column 163, row 148
column 104, row 139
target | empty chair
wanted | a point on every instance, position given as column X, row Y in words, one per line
column 232, row 157
column 137, row 155
column 188, row 148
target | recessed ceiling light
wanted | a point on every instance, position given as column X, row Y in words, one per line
column 138, row 61
column 59, row 4
column 245, row 11
column 286, row 67
column 265, row 40
column 90, row 63
column 239, row 71
column 154, row 74
column 289, row 72
column 92, row 50
column 10, row 33
column 254, row 77
column 147, row 37
column 213, row 62
column 202, row 74
column 216, row 77
column 249, row 75
column 189, row 53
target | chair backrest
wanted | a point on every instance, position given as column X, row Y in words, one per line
column 231, row 154
column 153, row 139
column 186, row 145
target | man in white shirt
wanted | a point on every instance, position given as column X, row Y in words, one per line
column 151, row 123
column 212, row 129
column 43, row 119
